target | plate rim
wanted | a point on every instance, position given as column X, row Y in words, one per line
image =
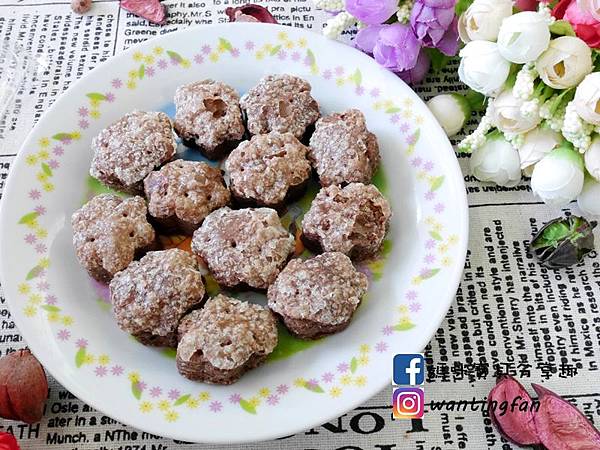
column 428, row 328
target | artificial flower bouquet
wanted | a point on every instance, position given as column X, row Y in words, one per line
column 540, row 72
column 537, row 64
column 404, row 36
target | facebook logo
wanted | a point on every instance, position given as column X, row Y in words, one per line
column 409, row 369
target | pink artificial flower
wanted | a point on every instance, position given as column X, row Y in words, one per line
column 590, row 6
column 527, row 5
column 585, row 25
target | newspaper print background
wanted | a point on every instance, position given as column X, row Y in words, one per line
column 543, row 326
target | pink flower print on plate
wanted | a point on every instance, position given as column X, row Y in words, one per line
column 381, row 347
column 215, row 406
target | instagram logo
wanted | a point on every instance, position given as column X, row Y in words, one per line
column 408, row 403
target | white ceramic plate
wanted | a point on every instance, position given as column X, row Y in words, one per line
column 66, row 319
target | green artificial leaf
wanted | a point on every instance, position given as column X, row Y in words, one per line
column 33, row 273
column 225, row 44
column 438, row 59
column 247, row 406
column 512, row 76
column 174, row 56
column 596, row 59
column 311, row 57
column 135, row 390
column 181, row 400
column 96, row 96
column 435, row 235
column 436, row 183
column 393, row 110
column 141, row 72
column 430, row 274
column 80, row 357
column 275, row 50
column 353, row 365
column 462, row 6
column 314, row 388
column 404, row 326
column 562, row 28
column 476, row 101
column 28, row 218
column 46, row 169
column 50, row 308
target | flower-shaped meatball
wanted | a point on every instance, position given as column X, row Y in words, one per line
column 151, row 296
column 343, row 150
column 223, row 340
column 268, row 170
column 182, row 193
column 244, row 247
column 281, row 103
column 317, row 296
column 208, row 116
column 132, row 147
column 352, row 220
column 109, row 232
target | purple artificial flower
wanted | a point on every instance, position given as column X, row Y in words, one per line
column 417, row 73
column 372, row 12
column 435, row 24
column 366, row 38
column 397, row 48
column 449, row 43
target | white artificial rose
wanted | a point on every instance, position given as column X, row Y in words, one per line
column 523, row 37
column 589, row 198
column 482, row 68
column 507, row 117
column 587, row 99
column 451, row 111
column 590, row 6
column 565, row 63
column 496, row 161
column 482, row 20
column 558, row 178
column 592, row 158
column 536, row 144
